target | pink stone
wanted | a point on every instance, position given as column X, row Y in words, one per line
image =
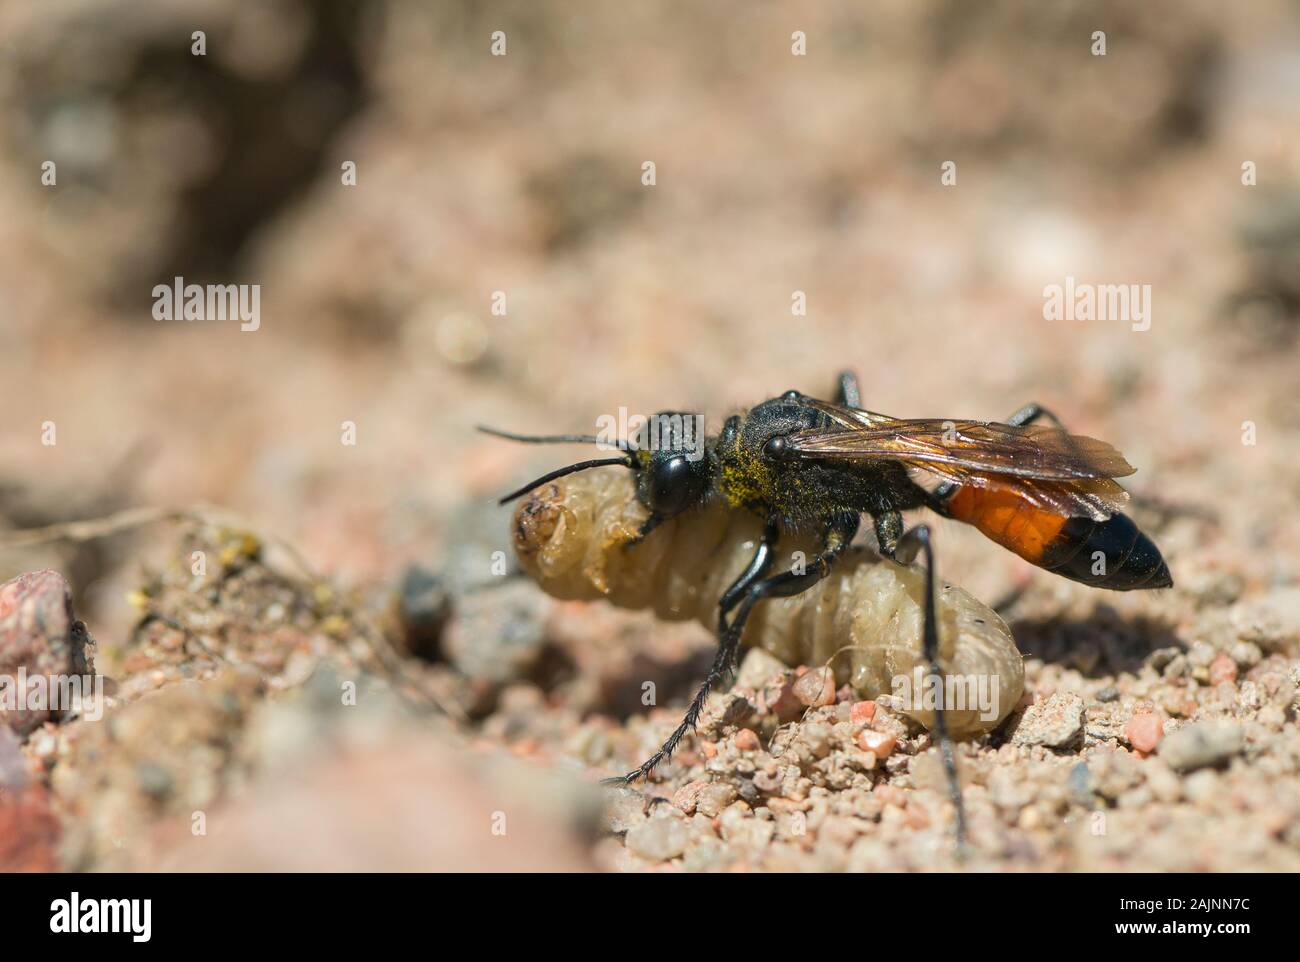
column 878, row 743
column 1145, row 730
column 1222, row 669
column 863, row 712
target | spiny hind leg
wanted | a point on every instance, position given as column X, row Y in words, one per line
column 905, row 551
column 838, row 537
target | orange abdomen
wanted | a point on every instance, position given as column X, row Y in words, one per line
column 1105, row 554
column 1008, row 519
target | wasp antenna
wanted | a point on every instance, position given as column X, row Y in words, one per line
column 561, row 472
column 554, row 438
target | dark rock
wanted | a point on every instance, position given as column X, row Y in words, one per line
column 39, row 636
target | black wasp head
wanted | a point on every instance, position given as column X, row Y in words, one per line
column 673, row 464
column 669, row 455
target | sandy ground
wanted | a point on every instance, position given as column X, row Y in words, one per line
column 484, row 180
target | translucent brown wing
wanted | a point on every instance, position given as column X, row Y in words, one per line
column 1068, row 474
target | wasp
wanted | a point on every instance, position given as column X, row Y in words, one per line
column 810, row 467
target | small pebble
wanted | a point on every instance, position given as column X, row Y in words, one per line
column 1055, row 722
column 916, row 819
column 687, row 797
column 816, row 687
column 1080, row 784
column 1144, row 730
column 1108, row 694
column 1271, row 623
column 423, row 609
column 758, row 668
column 626, row 809
column 39, row 635
column 1164, row 784
column 779, row 699
column 1222, row 669
column 747, row 741
column 1246, row 654
column 863, row 712
column 891, row 794
column 1161, row 657
column 817, row 736
column 1272, row 717
column 733, row 710
column 659, row 839
column 1201, row 787
column 154, row 780
column 768, row 782
column 715, row 797
column 879, row 744
column 1201, row 745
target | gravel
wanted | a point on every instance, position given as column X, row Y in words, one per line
column 659, row 839
column 1202, row 745
column 1056, row 722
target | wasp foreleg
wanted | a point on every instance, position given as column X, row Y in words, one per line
column 647, row 526
column 758, row 566
column 838, row 537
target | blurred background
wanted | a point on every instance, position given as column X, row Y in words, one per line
column 522, row 174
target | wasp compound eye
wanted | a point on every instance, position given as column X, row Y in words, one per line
column 674, row 485
column 776, row 448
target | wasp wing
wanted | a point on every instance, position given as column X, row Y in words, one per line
column 1068, row 474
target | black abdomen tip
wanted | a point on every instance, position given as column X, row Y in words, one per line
column 1112, row 554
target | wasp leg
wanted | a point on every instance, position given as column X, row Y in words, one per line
column 889, row 528
column 1028, row 414
column 915, row 540
column 647, row 526
column 847, row 392
column 838, row 537
column 758, row 566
